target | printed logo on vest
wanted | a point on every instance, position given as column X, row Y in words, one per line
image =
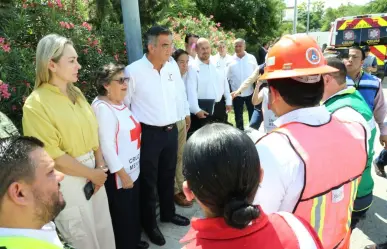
column 338, row 194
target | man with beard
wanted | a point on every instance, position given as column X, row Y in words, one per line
column 29, row 195
column 205, row 82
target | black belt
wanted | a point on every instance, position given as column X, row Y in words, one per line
column 160, row 128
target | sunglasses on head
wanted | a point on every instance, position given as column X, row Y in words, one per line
column 122, row 80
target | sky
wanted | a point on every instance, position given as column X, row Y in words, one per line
column 329, row 3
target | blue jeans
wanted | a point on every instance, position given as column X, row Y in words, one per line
column 257, row 117
column 381, row 160
column 238, row 104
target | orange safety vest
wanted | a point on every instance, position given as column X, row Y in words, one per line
column 334, row 156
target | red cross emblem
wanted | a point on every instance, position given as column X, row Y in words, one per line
column 135, row 133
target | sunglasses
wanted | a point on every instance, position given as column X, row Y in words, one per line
column 122, row 80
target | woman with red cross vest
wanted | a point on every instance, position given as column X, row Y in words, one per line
column 120, row 139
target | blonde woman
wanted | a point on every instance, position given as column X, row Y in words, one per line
column 58, row 114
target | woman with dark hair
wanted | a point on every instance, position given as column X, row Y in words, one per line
column 119, row 134
column 222, row 171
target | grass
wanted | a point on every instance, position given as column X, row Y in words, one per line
column 231, row 118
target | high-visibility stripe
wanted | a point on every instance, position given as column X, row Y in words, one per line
column 360, row 23
column 304, row 238
column 379, row 52
column 318, row 215
column 322, row 217
column 354, row 185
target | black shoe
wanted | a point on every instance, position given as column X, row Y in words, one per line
column 142, row 245
column 177, row 220
column 155, row 236
column 379, row 170
column 378, row 246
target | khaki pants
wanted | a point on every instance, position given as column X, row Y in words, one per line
column 182, row 137
column 85, row 223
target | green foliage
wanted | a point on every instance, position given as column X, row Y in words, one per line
column 202, row 26
column 315, row 14
column 250, row 15
column 31, row 21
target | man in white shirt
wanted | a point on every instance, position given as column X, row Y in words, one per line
column 190, row 46
column 205, row 81
column 241, row 67
column 153, row 93
column 29, row 194
column 222, row 59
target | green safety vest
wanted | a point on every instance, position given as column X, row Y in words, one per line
column 18, row 242
column 353, row 99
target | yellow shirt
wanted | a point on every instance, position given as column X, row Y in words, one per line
column 64, row 127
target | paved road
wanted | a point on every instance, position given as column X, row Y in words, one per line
column 371, row 230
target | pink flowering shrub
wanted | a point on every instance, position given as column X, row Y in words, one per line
column 32, row 20
column 203, row 26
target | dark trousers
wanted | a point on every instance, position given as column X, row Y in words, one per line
column 381, row 160
column 238, row 104
column 157, row 164
column 360, row 208
column 257, row 117
column 219, row 116
column 124, row 205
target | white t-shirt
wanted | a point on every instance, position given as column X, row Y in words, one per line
column 120, row 138
column 268, row 115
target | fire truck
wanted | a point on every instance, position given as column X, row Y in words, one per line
column 361, row 30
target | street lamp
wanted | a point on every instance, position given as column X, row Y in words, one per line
column 295, row 17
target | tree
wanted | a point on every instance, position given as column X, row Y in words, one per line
column 260, row 19
column 377, row 6
column 316, row 12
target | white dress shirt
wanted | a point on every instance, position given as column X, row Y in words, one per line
column 221, row 63
column 191, row 60
column 153, row 96
column 204, row 81
column 239, row 70
column 182, row 99
column 47, row 233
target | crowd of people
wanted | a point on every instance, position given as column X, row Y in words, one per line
column 96, row 172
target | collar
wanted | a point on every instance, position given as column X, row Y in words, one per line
column 347, row 90
column 358, row 77
column 236, row 56
column 217, row 229
column 51, row 87
column 46, row 233
column 149, row 64
column 312, row 116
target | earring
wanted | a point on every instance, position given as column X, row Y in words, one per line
column 108, row 94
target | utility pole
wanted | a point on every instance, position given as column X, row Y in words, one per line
column 295, row 17
column 132, row 28
column 307, row 20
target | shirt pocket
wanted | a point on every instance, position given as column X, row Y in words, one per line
column 71, row 224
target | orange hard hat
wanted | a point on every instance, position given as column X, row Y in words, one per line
column 296, row 56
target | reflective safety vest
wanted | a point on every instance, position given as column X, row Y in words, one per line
column 368, row 86
column 18, row 242
column 334, row 156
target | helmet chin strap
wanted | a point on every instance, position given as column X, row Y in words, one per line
column 308, row 78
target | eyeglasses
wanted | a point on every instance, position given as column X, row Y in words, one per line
column 122, row 80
